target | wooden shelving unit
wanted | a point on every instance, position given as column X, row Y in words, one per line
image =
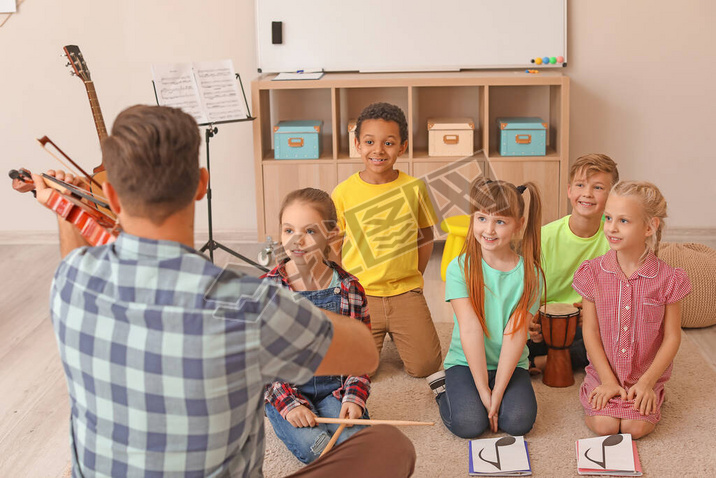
column 483, row 96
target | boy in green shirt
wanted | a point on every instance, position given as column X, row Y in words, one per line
column 569, row 241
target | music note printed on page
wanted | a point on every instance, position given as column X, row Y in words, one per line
column 206, row 90
column 505, row 456
column 608, row 455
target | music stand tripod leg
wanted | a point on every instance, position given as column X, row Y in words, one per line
column 211, row 245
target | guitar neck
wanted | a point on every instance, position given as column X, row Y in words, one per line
column 96, row 110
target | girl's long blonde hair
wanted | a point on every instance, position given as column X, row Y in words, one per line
column 653, row 204
column 504, row 199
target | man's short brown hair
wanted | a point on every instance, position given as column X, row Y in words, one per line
column 152, row 160
column 594, row 163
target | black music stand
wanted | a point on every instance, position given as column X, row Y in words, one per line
column 211, row 130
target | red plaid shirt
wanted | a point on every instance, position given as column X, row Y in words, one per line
column 285, row 396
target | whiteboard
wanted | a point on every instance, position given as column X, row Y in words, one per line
column 414, row 35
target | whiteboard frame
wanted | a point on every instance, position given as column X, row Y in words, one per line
column 266, row 62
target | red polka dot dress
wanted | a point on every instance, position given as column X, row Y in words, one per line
column 631, row 323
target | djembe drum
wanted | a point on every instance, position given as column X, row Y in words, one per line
column 559, row 324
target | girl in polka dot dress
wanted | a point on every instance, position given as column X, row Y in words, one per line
column 632, row 315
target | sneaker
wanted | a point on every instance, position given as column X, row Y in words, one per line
column 437, row 382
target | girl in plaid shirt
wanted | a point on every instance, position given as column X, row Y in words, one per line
column 308, row 223
column 632, row 315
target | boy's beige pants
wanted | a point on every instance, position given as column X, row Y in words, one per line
column 406, row 318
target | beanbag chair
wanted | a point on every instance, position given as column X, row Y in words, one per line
column 699, row 262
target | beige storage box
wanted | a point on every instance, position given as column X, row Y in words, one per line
column 451, row 137
column 352, row 151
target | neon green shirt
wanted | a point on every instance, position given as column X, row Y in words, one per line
column 562, row 254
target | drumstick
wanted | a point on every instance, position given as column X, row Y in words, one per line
column 360, row 421
column 333, row 440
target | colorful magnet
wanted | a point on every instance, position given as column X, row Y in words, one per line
column 538, row 61
column 553, row 60
column 560, row 59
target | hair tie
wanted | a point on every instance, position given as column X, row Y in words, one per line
column 521, row 189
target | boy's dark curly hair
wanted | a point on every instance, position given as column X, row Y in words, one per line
column 387, row 112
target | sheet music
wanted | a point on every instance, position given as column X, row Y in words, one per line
column 219, row 90
column 176, row 86
column 206, row 90
column 8, row 6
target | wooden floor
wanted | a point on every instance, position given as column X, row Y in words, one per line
column 34, row 406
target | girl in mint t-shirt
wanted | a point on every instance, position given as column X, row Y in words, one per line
column 494, row 289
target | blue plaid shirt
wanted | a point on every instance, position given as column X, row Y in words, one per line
column 167, row 356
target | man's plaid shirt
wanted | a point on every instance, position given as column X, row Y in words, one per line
column 167, row 357
column 285, row 396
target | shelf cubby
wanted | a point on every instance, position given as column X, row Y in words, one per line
column 481, row 95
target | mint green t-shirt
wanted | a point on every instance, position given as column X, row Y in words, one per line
column 562, row 254
column 503, row 291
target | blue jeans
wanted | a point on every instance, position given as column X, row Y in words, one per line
column 464, row 414
column 307, row 443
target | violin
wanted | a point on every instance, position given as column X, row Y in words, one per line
column 96, row 227
column 97, row 224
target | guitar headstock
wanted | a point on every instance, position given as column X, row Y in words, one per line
column 77, row 62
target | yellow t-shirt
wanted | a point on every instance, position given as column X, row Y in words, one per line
column 381, row 224
column 563, row 252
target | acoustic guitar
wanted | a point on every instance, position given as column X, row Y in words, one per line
column 80, row 69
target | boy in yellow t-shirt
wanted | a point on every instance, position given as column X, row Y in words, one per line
column 569, row 241
column 387, row 218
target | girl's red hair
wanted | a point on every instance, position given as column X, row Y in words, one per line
column 504, row 199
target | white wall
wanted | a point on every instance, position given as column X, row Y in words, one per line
column 119, row 41
column 643, row 91
column 643, row 77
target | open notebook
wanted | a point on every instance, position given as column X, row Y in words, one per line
column 613, row 455
column 505, row 456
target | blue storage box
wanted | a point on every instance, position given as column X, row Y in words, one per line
column 522, row 136
column 297, row 139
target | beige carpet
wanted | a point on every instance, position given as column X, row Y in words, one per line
column 681, row 446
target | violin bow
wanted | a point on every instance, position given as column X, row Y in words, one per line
column 44, row 141
column 25, row 176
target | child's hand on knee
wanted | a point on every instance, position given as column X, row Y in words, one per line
column 601, row 395
column 644, row 398
column 301, row 416
column 350, row 410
